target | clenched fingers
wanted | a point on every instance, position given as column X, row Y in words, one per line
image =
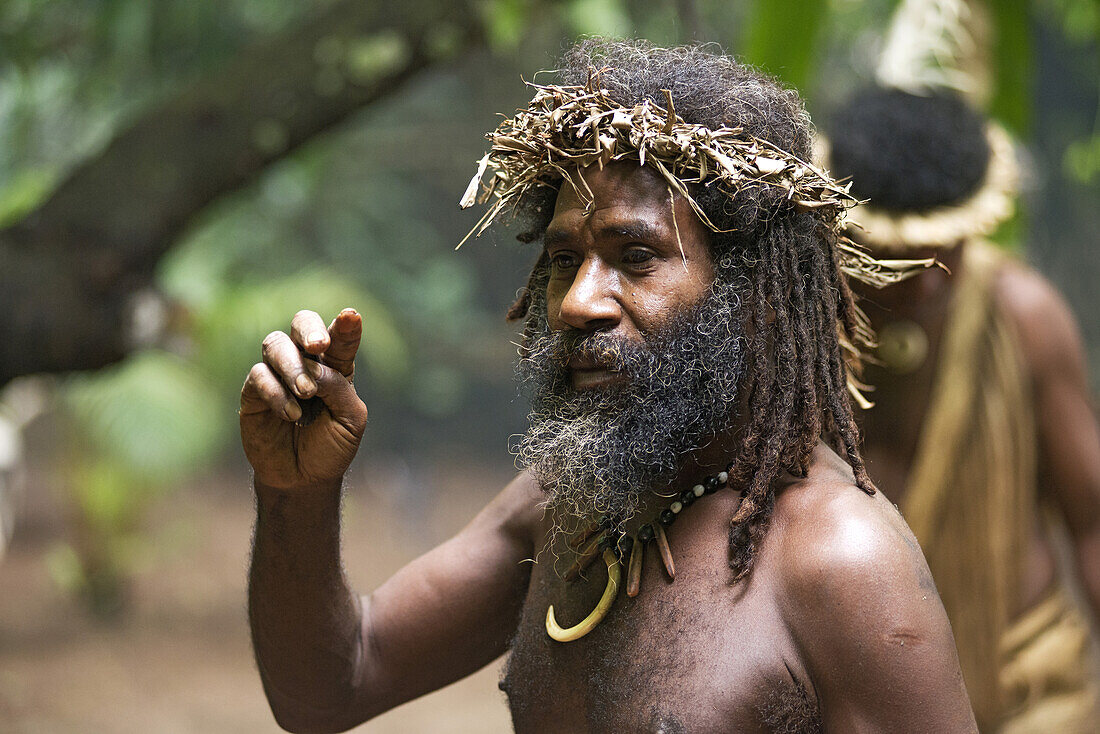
column 264, row 391
column 339, row 397
column 309, row 333
column 282, row 355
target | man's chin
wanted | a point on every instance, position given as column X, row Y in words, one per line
column 579, row 501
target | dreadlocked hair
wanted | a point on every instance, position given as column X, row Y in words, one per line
column 802, row 311
column 801, row 308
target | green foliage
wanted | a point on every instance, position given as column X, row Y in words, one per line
column 506, row 22
column 1011, row 234
column 781, row 38
column 108, row 494
column 154, row 418
column 108, row 499
column 64, row 567
column 139, row 428
column 598, row 17
column 26, row 190
column 368, row 58
column 72, row 70
column 1012, row 65
column 1079, row 19
column 1082, row 160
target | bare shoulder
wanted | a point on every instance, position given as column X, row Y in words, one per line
column 860, row 605
column 524, row 492
column 518, row 508
column 831, row 538
column 1042, row 319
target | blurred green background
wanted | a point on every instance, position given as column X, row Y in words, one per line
column 178, row 177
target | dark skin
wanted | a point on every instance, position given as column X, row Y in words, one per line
column 840, row 602
column 1069, row 439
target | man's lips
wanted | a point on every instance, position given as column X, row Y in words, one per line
column 588, row 374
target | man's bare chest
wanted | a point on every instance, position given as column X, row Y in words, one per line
column 694, row 655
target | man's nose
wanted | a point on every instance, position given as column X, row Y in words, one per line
column 591, row 302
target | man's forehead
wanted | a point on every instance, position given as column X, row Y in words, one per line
column 622, row 222
column 624, row 200
column 617, row 184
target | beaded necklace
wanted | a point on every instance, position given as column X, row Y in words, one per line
column 602, row 539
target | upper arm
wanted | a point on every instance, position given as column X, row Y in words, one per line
column 866, row 616
column 1069, row 441
column 452, row 610
column 1068, row 434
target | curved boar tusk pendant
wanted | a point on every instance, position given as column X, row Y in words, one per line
column 586, row 625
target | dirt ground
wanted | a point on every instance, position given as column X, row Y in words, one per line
column 180, row 661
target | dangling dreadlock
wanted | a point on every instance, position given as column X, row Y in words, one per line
column 797, row 380
column 775, row 224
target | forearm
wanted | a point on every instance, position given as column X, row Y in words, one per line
column 305, row 620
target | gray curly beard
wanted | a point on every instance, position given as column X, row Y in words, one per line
column 598, row 451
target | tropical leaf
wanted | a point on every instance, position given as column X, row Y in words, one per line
column 26, row 190
column 155, row 413
column 109, row 494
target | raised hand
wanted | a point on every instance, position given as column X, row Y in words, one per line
column 310, row 362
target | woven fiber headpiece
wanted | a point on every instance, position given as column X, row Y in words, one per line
column 977, row 215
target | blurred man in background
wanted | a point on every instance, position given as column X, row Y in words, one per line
column 982, row 430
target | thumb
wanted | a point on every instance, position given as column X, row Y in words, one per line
column 339, row 396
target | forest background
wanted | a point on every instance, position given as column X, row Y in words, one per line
column 177, row 178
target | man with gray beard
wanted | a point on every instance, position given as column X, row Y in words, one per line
column 688, row 336
column 599, row 450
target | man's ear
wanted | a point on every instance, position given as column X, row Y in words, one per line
column 520, row 306
column 518, row 310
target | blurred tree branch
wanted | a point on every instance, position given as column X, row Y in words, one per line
column 73, row 266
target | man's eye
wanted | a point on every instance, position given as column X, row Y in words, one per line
column 563, row 261
column 637, row 256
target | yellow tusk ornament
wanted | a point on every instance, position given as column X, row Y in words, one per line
column 586, row 625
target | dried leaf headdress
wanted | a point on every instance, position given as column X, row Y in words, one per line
column 569, row 127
